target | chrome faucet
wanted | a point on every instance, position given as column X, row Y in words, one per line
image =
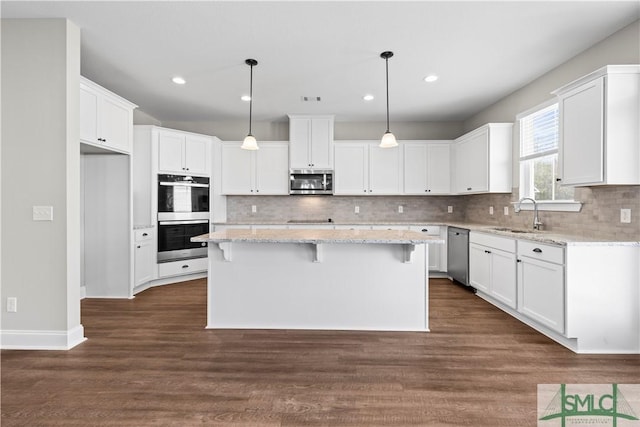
column 537, row 225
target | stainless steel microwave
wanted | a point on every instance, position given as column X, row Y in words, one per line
column 311, row 181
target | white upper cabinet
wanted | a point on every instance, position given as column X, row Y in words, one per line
column 483, row 160
column 311, row 142
column 261, row 172
column 600, row 127
column 427, row 167
column 182, row 152
column 363, row 168
column 106, row 119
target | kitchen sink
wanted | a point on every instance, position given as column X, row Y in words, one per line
column 513, row 230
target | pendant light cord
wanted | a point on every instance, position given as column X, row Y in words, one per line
column 251, row 97
column 386, row 60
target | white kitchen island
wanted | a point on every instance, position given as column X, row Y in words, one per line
column 318, row 279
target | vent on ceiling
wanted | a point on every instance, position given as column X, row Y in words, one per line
column 310, row 98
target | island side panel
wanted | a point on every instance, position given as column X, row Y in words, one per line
column 354, row 287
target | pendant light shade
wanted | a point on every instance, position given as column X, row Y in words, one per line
column 388, row 139
column 250, row 142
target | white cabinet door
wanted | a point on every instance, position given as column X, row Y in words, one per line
column 237, row 169
column 439, row 169
column 183, row 153
column 116, row 125
column 272, row 169
column 300, row 140
column 427, row 169
column 196, row 154
column 311, row 142
column 106, row 120
column 170, row 151
column 351, row 169
column 503, row 277
column 144, row 262
column 321, row 143
column 384, row 170
column 261, row 172
column 541, row 292
column 416, row 169
column 582, row 134
column 88, row 115
column 472, row 164
column 479, row 267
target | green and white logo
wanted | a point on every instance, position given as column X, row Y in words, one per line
column 588, row 404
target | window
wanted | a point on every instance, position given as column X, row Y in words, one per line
column 539, row 155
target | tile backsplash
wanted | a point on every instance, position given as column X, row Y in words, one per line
column 599, row 217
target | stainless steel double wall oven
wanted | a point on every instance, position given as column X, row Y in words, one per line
column 183, row 212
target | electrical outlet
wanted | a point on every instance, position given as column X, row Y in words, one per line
column 490, row 210
column 625, row 216
column 43, row 213
column 506, row 210
column 12, row 305
column 400, row 209
column 356, row 209
column 450, row 209
column 254, row 209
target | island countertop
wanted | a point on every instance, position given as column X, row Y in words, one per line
column 317, row 236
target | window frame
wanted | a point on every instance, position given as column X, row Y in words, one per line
column 525, row 162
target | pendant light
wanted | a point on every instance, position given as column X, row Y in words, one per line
column 250, row 142
column 388, row 139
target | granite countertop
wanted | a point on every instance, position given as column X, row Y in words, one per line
column 318, row 236
column 548, row 237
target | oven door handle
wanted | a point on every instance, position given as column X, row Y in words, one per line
column 183, row 184
column 194, row 221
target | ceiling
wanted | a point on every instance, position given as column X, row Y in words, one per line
column 481, row 51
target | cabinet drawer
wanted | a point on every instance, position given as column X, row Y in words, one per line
column 493, row 241
column 429, row 230
column 535, row 250
column 143, row 234
column 177, row 268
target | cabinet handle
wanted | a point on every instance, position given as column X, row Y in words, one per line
column 424, row 230
column 518, row 260
column 257, row 191
column 185, row 266
column 138, row 246
column 365, row 190
column 468, row 188
column 537, row 250
column 558, row 179
column 370, row 191
column 487, row 252
column 144, row 234
column 426, row 191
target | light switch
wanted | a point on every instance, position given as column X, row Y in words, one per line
column 43, row 213
column 450, row 209
column 506, row 210
column 490, row 210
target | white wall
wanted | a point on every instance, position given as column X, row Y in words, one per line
column 622, row 47
column 41, row 166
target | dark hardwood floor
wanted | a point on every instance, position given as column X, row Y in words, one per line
column 150, row 362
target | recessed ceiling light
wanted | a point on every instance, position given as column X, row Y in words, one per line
column 178, row 80
column 368, row 97
column 245, row 98
column 431, row 78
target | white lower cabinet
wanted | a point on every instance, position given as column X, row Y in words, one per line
column 541, row 291
column 177, row 268
column 144, row 256
column 492, row 267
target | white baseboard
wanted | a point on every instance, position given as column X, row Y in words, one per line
column 41, row 340
column 83, row 292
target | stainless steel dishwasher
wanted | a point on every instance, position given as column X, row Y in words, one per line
column 458, row 254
